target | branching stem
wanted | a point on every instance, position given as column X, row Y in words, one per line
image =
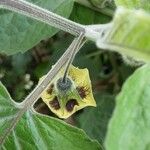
column 36, row 93
column 57, row 21
column 38, row 13
column 52, row 19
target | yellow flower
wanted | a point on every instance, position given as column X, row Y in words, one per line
column 65, row 98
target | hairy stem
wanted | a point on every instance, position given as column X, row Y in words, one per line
column 51, row 19
column 43, row 15
column 81, row 41
column 35, row 94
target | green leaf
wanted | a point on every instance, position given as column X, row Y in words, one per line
column 84, row 15
column 19, row 33
column 128, row 34
column 99, row 117
column 129, row 127
column 137, row 4
column 8, row 111
column 35, row 131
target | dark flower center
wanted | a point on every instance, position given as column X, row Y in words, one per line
column 64, row 86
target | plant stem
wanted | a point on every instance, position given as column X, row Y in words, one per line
column 43, row 15
column 80, row 42
column 51, row 19
column 35, row 94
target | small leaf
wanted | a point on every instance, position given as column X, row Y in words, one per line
column 128, row 34
column 19, row 33
column 129, row 127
